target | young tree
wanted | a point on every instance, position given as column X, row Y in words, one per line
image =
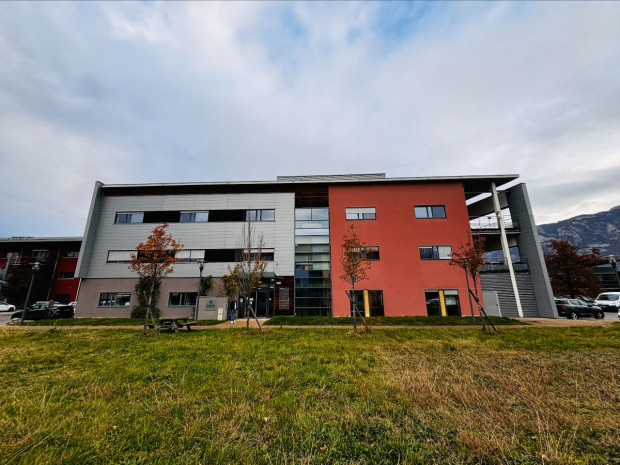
column 250, row 268
column 570, row 271
column 228, row 287
column 355, row 267
column 153, row 262
column 470, row 257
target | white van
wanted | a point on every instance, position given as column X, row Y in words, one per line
column 609, row 301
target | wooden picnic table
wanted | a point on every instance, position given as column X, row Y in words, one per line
column 173, row 324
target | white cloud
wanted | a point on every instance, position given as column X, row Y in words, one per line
column 203, row 91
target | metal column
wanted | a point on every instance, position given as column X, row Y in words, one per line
column 505, row 249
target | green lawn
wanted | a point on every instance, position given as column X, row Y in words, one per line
column 404, row 395
column 104, row 322
column 386, row 321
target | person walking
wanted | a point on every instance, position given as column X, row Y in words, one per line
column 232, row 309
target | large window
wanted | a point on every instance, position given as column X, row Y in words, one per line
column 182, row 299
column 260, row 215
column 436, row 252
column 124, row 218
column 442, row 302
column 369, row 302
column 120, row 256
column 361, row 213
column 194, row 217
column 186, row 255
column 371, row 252
column 114, row 299
column 430, row 211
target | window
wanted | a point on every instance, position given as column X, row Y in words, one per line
column 186, row 256
column 40, row 255
column 362, row 213
column 430, row 211
column 260, row 215
column 124, row 218
column 67, row 275
column 120, row 256
column 114, row 299
column 371, row 252
column 369, row 302
column 436, row 252
column 194, row 217
column 442, row 302
column 182, row 299
column 72, row 254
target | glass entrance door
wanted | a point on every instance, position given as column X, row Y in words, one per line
column 261, row 303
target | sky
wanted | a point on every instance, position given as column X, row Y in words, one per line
column 148, row 92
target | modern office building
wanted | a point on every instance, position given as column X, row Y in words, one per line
column 56, row 259
column 410, row 227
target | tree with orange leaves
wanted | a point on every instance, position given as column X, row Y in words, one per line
column 153, row 262
column 355, row 267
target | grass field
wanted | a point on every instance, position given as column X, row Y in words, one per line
column 387, row 321
column 525, row 395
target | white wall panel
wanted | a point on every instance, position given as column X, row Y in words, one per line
column 109, row 236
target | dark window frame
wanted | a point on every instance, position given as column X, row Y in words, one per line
column 360, row 216
column 116, row 295
column 429, row 212
column 434, row 251
column 184, row 297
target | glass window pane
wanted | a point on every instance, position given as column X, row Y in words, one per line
column 420, row 212
column 320, row 214
column 137, row 217
column 268, row 215
column 439, row 211
column 369, row 216
column 303, row 214
column 445, row 252
column 185, row 217
column 433, row 307
column 351, row 216
column 202, row 217
column 426, row 253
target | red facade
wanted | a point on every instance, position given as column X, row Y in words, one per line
column 400, row 273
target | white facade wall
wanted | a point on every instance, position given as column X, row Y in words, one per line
column 278, row 234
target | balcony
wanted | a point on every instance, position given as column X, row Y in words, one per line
column 490, row 225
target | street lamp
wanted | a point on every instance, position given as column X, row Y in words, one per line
column 35, row 268
column 201, row 266
column 613, row 260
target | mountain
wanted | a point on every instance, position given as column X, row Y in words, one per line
column 600, row 230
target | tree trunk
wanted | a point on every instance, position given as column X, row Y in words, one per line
column 352, row 299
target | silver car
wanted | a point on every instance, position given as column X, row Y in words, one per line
column 6, row 307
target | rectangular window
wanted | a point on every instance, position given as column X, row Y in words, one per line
column 369, row 302
column 182, row 299
column 361, row 213
column 125, row 218
column 371, row 252
column 442, row 302
column 260, row 215
column 40, row 255
column 186, row 256
column 194, row 217
column 67, row 275
column 120, row 256
column 436, row 252
column 114, row 299
column 430, row 211
column 72, row 254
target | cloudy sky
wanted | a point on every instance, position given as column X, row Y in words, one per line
column 189, row 92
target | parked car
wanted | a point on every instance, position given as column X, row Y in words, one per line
column 6, row 307
column 609, row 301
column 575, row 308
column 43, row 311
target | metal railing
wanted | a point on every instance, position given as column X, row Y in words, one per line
column 490, row 222
column 502, row 267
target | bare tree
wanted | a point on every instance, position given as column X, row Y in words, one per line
column 250, row 267
column 355, row 267
column 470, row 257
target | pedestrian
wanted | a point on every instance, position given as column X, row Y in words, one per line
column 232, row 308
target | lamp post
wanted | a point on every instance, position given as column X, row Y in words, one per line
column 201, row 266
column 613, row 260
column 35, row 268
